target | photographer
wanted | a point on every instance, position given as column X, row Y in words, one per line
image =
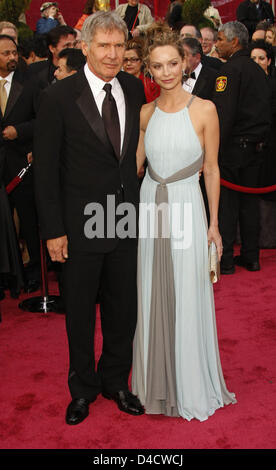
column 50, row 18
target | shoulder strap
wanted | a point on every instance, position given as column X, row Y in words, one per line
column 190, row 101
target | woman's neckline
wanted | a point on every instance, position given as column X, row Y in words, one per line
column 174, row 112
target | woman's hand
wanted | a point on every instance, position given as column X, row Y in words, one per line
column 214, row 236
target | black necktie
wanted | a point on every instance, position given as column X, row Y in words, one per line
column 193, row 75
column 111, row 120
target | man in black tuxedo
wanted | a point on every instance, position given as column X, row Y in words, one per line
column 201, row 79
column 85, row 167
column 18, row 97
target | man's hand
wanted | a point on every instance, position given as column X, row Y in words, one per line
column 9, row 133
column 30, row 157
column 58, row 249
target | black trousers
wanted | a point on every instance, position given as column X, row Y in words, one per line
column 236, row 207
column 112, row 274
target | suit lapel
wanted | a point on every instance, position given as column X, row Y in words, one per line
column 89, row 109
column 15, row 92
column 200, row 83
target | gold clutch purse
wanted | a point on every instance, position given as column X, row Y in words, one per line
column 213, row 263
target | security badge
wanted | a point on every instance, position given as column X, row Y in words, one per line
column 221, row 83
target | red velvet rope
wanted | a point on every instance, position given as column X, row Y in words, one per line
column 246, row 189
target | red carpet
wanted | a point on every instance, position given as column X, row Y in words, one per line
column 34, row 394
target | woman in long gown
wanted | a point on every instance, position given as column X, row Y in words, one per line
column 176, row 367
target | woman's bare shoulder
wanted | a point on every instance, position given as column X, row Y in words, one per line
column 204, row 105
column 146, row 112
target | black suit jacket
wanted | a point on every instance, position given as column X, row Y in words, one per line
column 20, row 112
column 212, row 62
column 74, row 162
column 205, row 84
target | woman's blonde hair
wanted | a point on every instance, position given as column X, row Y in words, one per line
column 272, row 28
column 158, row 37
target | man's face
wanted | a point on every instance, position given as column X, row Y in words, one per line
column 132, row 3
column 105, row 53
column 10, row 32
column 8, row 57
column 224, row 47
column 192, row 61
column 62, row 70
column 207, row 40
column 63, row 43
column 188, row 32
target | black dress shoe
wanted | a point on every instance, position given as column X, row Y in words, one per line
column 77, row 410
column 126, row 402
column 250, row 266
column 227, row 268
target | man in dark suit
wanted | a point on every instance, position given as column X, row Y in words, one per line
column 86, row 165
column 200, row 79
column 242, row 99
column 59, row 38
column 18, row 96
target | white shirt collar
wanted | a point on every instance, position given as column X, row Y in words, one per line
column 95, row 82
column 8, row 77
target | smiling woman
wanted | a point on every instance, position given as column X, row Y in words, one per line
column 176, row 366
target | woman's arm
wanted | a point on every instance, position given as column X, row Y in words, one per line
column 211, row 170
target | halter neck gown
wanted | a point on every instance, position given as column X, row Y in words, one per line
column 195, row 386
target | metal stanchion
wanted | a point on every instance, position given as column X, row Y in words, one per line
column 45, row 303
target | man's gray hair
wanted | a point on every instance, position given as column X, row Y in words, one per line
column 235, row 29
column 105, row 20
column 194, row 45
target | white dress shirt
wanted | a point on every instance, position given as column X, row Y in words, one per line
column 189, row 84
column 96, row 85
column 9, row 82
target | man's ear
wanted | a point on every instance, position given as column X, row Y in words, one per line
column 51, row 48
column 235, row 42
column 84, row 47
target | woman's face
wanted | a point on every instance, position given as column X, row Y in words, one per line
column 166, row 66
column 269, row 36
column 131, row 63
column 259, row 56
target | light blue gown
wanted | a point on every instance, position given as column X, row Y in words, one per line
column 171, row 144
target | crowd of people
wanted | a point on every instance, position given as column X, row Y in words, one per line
column 207, row 100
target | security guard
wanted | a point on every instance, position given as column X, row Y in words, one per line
column 242, row 100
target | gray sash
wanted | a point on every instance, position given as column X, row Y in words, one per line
column 161, row 377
